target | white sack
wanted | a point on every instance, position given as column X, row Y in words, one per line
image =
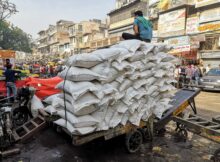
column 50, row 99
column 51, row 110
column 36, row 104
column 85, row 130
column 78, row 122
column 65, row 124
column 83, row 60
column 106, row 71
column 77, row 89
column 84, row 105
column 80, row 74
column 126, row 83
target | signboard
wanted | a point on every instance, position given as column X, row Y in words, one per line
column 210, row 15
column 201, row 3
column 209, row 26
column 210, row 55
column 7, row 54
column 192, row 25
column 178, row 41
column 155, row 36
column 180, row 44
column 172, row 23
column 180, row 49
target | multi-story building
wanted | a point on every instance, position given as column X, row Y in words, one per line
column 83, row 33
column 55, row 39
column 190, row 26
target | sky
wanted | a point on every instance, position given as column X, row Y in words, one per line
column 36, row 15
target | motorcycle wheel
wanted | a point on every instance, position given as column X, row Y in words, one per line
column 19, row 117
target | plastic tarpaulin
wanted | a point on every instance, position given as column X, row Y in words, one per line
column 44, row 87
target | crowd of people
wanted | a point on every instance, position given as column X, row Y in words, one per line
column 43, row 70
column 13, row 71
column 190, row 74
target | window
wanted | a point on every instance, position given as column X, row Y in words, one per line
column 80, row 40
column 80, row 28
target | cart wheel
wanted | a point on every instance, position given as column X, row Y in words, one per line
column 182, row 134
column 133, row 141
column 216, row 157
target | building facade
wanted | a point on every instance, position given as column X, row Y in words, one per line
column 82, row 34
column 122, row 18
column 55, row 39
column 190, row 26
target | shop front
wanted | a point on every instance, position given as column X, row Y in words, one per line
column 185, row 48
column 210, row 57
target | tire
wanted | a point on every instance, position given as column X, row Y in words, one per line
column 133, row 141
column 19, row 117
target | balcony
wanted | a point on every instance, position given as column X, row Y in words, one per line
column 75, row 33
column 104, row 42
column 43, row 45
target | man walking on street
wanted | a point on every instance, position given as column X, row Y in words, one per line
column 10, row 81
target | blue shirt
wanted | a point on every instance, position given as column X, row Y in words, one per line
column 144, row 33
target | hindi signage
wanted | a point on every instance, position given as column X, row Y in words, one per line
column 192, row 25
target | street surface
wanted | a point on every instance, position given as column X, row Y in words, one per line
column 50, row 146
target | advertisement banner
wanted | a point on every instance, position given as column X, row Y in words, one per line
column 180, row 49
column 178, row 41
column 180, row 44
column 192, row 25
column 209, row 26
column 210, row 15
column 172, row 23
column 201, row 3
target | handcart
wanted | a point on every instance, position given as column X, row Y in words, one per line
column 135, row 135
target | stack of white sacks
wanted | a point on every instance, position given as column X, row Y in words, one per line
column 123, row 84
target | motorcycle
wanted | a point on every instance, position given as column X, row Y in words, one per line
column 21, row 113
column 6, row 126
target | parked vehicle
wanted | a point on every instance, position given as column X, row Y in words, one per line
column 211, row 80
column 5, row 126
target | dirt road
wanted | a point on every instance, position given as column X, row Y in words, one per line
column 209, row 101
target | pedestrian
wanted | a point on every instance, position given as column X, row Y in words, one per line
column 208, row 68
column 10, row 82
column 196, row 75
column 59, row 68
column 177, row 75
column 142, row 28
column 51, row 69
column 182, row 79
column 189, row 73
column 202, row 70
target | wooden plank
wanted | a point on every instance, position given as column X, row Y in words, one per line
column 33, row 131
column 43, row 113
column 16, row 136
column 10, row 152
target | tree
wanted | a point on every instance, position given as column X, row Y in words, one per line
column 6, row 9
column 14, row 38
